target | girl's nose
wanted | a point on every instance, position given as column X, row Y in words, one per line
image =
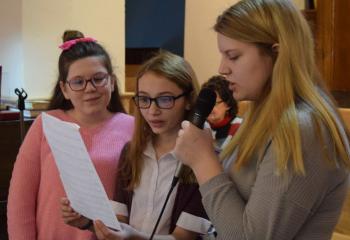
column 90, row 86
column 153, row 108
column 223, row 68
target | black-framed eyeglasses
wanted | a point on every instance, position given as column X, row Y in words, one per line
column 79, row 84
column 163, row 102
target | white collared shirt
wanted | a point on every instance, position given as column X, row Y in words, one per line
column 149, row 196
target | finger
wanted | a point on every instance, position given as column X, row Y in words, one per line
column 180, row 133
column 69, row 214
column 69, row 219
column 185, row 124
column 68, row 210
column 101, row 230
column 208, row 132
column 64, row 201
column 98, row 231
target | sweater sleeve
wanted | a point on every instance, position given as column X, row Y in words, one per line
column 280, row 206
column 188, row 211
column 24, row 185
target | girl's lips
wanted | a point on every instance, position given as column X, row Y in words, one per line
column 232, row 86
column 156, row 123
column 92, row 99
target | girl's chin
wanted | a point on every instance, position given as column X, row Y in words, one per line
column 214, row 122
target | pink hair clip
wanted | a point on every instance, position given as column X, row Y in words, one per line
column 68, row 44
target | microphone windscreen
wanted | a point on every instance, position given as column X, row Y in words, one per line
column 205, row 102
column 203, row 107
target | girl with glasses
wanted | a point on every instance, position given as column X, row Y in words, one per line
column 86, row 93
column 165, row 93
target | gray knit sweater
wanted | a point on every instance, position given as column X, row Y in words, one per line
column 257, row 203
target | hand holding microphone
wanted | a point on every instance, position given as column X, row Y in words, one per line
column 194, row 146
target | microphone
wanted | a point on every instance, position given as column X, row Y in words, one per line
column 202, row 108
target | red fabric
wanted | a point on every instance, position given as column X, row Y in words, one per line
column 222, row 123
column 233, row 129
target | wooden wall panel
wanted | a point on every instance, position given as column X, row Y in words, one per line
column 341, row 80
column 324, row 40
column 130, row 77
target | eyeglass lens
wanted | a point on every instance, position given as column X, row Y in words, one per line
column 161, row 102
column 99, row 80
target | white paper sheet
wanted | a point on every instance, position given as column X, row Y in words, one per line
column 79, row 177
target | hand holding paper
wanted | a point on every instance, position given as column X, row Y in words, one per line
column 79, row 177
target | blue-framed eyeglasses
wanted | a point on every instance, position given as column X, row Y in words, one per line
column 163, row 102
column 79, row 84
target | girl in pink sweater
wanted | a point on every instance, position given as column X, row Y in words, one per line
column 86, row 93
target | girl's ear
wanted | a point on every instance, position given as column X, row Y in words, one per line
column 275, row 47
column 63, row 88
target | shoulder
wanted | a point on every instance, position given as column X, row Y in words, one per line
column 237, row 120
column 311, row 125
column 304, row 114
column 124, row 119
column 58, row 113
column 120, row 124
column 313, row 128
column 318, row 144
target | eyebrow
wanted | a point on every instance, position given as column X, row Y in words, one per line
column 159, row 94
column 80, row 76
column 76, row 76
column 229, row 51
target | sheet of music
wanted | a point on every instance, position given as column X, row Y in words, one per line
column 79, row 177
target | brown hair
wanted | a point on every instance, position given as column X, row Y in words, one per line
column 220, row 85
column 178, row 71
column 78, row 51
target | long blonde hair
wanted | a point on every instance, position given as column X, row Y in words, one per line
column 177, row 70
column 294, row 78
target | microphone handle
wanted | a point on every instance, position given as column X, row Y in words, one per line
column 198, row 120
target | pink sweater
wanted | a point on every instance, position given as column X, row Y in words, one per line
column 36, row 188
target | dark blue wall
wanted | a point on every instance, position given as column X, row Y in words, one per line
column 155, row 24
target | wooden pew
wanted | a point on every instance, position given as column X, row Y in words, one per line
column 339, row 236
column 342, row 230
